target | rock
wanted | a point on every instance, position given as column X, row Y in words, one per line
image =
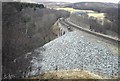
column 72, row 51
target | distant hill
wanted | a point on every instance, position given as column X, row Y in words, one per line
column 97, row 6
column 55, row 4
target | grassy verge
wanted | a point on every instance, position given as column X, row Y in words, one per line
column 68, row 74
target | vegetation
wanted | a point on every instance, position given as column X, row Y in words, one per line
column 68, row 74
column 111, row 15
column 95, row 6
column 105, row 20
column 21, row 6
column 25, row 29
column 98, row 24
column 71, row 10
column 27, row 26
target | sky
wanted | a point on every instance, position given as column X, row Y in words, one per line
column 72, row 1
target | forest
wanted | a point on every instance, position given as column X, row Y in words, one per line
column 25, row 27
column 111, row 11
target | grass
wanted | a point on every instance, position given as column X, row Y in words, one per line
column 91, row 13
column 97, row 15
column 68, row 74
column 71, row 10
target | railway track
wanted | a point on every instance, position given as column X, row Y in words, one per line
column 71, row 25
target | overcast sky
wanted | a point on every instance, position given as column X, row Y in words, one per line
column 72, row 1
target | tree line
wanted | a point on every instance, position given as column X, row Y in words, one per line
column 23, row 31
column 19, row 6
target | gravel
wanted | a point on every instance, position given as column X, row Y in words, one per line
column 74, row 51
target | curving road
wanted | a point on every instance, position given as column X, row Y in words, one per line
column 75, row 50
column 72, row 51
column 68, row 23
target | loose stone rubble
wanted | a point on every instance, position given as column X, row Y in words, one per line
column 74, row 51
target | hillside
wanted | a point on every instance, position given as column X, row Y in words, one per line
column 33, row 45
column 55, row 4
column 25, row 28
column 92, row 5
column 103, row 20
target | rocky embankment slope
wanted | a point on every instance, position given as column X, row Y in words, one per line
column 72, row 51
